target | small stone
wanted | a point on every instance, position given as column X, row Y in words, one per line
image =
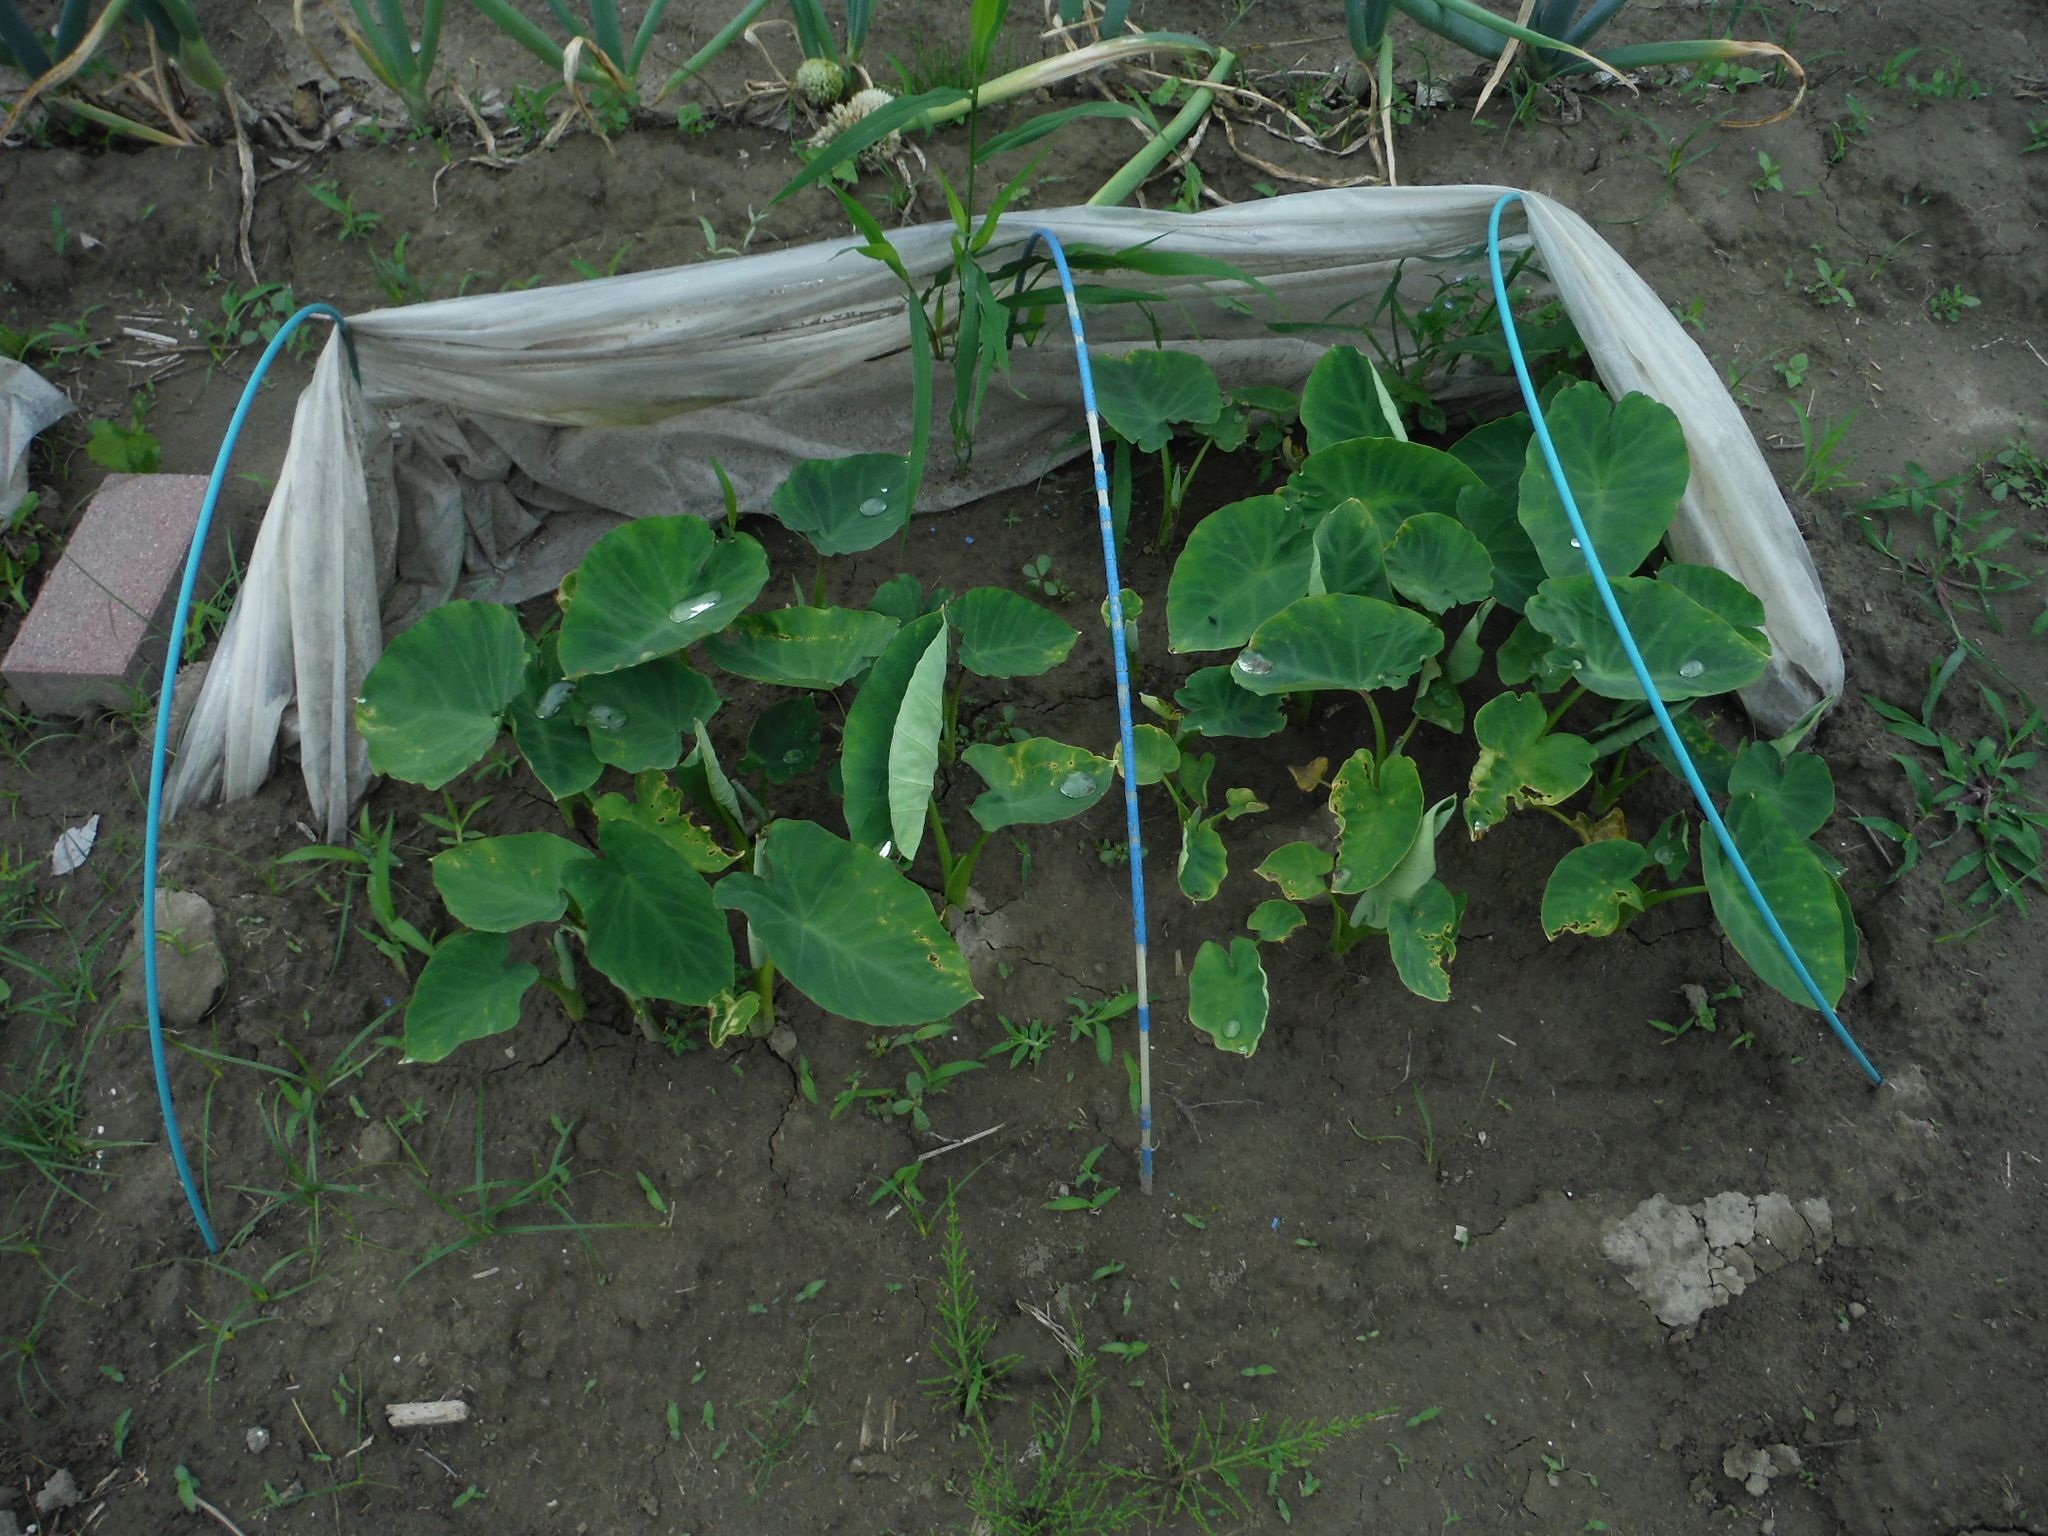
column 257, row 1438
column 650, row 1505
column 782, row 1041
column 1845, row 1417
column 60, row 1492
column 190, row 973
column 1820, row 1221
column 1857, row 1311
column 377, row 1144
column 1784, row 1459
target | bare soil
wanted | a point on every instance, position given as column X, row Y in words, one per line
column 1393, row 1206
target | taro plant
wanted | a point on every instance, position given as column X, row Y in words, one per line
column 1378, row 571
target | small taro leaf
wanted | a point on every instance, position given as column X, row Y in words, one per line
column 1004, row 635
column 652, row 586
column 1804, row 898
column 800, row 647
column 555, row 744
column 1627, row 466
column 1395, row 480
column 1337, row 641
column 649, row 920
column 914, row 746
column 1593, row 889
column 500, row 883
column 1350, row 553
column 1215, row 705
column 1143, row 395
column 432, row 705
column 1671, row 849
column 1157, row 754
column 900, row 598
column 1489, row 515
column 849, row 931
column 1195, row 769
column 1691, row 652
column 1710, row 757
column 1800, row 786
column 1203, row 863
column 846, row 505
column 1343, row 399
column 1461, row 661
column 657, row 806
column 466, row 992
column 1378, row 807
column 870, row 727
column 1528, row 656
column 1422, row 935
column 1438, row 701
column 1035, row 782
column 1416, row 870
column 1521, row 762
column 785, row 739
column 1437, row 564
column 1229, row 430
column 636, row 719
column 1301, row 870
column 1273, row 922
column 1240, row 802
column 1227, row 995
column 1496, row 451
column 1241, row 565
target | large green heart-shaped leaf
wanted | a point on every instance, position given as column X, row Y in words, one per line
column 1338, row 640
column 1521, row 761
column 1799, row 785
column 801, row 647
column 466, row 992
column 1213, row 704
column 1004, row 635
column 1490, row 516
column 636, row 718
column 1378, row 807
column 1394, row 480
column 871, row 729
column 501, row 883
column 1416, row 869
column 652, row 586
column 1422, row 936
column 845, row 505
column 1593, row 889
column 1627, row 467
column 1242, row 564
column 1144, row 395
column 657, row 806
column 1343, row 399
column 1802, row 894
column 849, row 931
column 1437, row 564
column 1301, row 870
column 554, row 743
column 1228, row 999
column 1036, row 782
column 1692, row 652
column 1350, row 553
column 1496, row 451
column 434, row 702
column 649, row 919
column 1203, row 862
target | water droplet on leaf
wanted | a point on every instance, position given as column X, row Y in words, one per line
column 874, row 506
column 1575, row 544
column 1077, row 786
column 1232, row 1029
column 1691, row 668
column 1252, row 664
column 552, row 701
column 691, row 607
column 606, row 718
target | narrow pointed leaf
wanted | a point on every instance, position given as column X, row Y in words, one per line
column 1415, row 870
column 871, row 726
column 914, row 746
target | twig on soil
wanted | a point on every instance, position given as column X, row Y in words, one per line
column 437, row 1461
column 954, row 1146
column 1060, row 1335
column 207, row 1507
column 247, row 160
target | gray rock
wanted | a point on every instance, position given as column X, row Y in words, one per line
column 1783, row 1233
column 257, row 1438
column 60, row 1492
column 1662, row 1253
column 190, row 972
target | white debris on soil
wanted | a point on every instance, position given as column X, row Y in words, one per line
column 1756, row 1466
column 73, row 846
column 1686, row 1259
column 190, row 972
column 60, row 1492
column 257, row 1438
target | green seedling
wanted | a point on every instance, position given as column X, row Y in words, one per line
column 969, row 1376
column 1702, row 1015
column 1024, row 1044
column 1823, row 466
column 1947, row 304
column 1955, row 555
column 1097, row 1194
column 401, row 59
column 2037, row 135
column 354, row 224
column 130, row 449
column 1792, row 370
column 1091, row 1021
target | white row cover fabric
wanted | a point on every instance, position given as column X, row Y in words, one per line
column 28, row 404
column 490, row 439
